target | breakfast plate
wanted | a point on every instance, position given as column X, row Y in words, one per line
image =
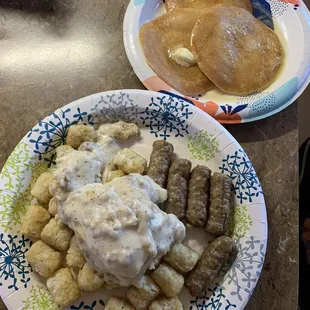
column 195, row 136
column 290, row 19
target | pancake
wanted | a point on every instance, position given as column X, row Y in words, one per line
column 237, row 52
column 164, row 34
column 207, row 4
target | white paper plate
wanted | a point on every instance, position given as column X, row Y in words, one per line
column 195, row 135
column 291, row 20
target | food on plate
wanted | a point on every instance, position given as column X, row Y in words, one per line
column 104, row 228
column 200, row 44
column 120, row 229
column 110, row 287
column 207, row 4
column 57, row 235
column 198, row 196
column 53, row 206
column 120, row 130
column 111, row 172
column 160, row 161
column 236, row 51
column 43, row 259
column 80, row 133
column 219, row 210
column 115, row 303
column 63, row 287
column 88, row 279
column 182, row 56
column 213, row 258
column 75, row 257
column 181, row 258
column 114, row 174
column 40, row 189
column 34, row 221
column 106, row 174
column 77, row 168
column 129, row 161
column 166, row 44
column 178, row 178
column 169, row 280
column 141, row 297
column 165, row 303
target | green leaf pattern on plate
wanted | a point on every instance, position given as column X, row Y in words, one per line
column 39, row 298
column 240, row 222
column 14, row 199
column 203, row 145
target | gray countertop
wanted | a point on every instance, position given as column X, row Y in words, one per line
column 53, row 52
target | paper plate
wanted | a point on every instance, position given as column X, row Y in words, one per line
column 291, row 22
column 194, row 134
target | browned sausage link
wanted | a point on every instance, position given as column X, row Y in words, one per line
column 220, row 191
column 218, row 253
column 160, row 162
column 177, row 187
column 230, row 224
column 198, row 196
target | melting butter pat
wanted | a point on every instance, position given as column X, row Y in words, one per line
column 183, row 57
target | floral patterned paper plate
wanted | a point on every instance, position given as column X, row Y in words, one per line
column 291, row 23
column 194, row 134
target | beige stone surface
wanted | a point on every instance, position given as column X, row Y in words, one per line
column 53, row 52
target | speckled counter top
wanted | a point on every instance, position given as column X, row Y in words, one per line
column 53, row 53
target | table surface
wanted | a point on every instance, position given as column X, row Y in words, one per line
column 53, row 52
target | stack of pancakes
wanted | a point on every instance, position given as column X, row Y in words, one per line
column 233, row 50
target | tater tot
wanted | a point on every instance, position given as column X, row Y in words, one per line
column 169, row 281
column 74, row 257
column 57, row 235
column 40, row 189
column 114, row 174
column 43, row 259
column 89, row 280
column 130, row 162
column 115, row 303
column 142, row 297
column 120, row 130
column 106, row 172
column 63, row 288
column 181, row 258
column 166, row 304
column 63, row 150
column 53, row 206
column 34, row 221
column 77, row 134
column 110, row 287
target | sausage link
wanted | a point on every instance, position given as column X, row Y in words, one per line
column 160, row 162
column 179, row 174
column 198, row 196
column 220, row 192
column 218, row 253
